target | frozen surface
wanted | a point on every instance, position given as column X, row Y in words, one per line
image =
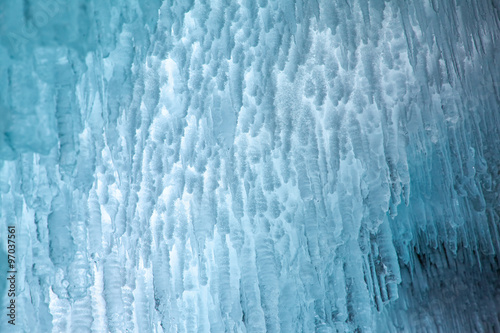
column 252, row 166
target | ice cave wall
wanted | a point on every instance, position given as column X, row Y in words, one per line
column 252, row 166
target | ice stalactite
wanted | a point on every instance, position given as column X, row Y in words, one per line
column 244, row 166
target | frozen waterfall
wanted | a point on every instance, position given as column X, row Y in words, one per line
column 250, row 165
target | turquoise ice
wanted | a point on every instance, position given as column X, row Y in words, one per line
column 251, row 166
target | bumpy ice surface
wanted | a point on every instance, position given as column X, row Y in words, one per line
column 251, row 165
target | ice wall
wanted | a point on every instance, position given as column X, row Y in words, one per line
column 252, row 166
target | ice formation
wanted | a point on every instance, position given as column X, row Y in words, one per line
column 251, row 166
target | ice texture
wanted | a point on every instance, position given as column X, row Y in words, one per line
column 251, row 166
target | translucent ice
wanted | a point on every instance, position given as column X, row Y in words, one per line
column 251, row 166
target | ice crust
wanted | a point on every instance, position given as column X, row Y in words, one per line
column 252, row 166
